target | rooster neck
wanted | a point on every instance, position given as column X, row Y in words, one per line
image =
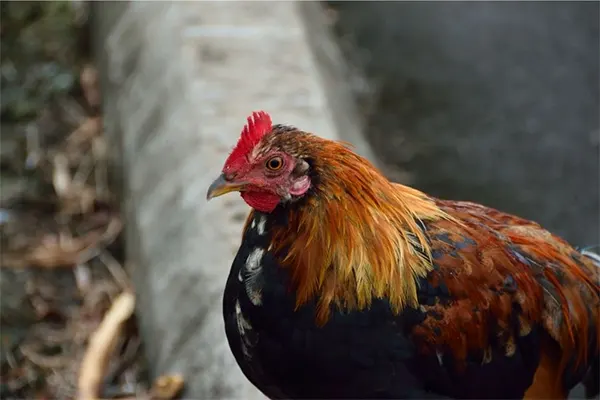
column 356, row 237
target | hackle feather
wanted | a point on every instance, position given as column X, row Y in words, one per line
column 358, row 237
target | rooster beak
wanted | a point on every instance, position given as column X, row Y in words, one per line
column 221, row 186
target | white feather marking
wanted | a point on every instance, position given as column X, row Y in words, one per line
column 261, row 225
column 253, row 266
column 593, row 256
column 253, row 224
column 243, row 327
column 254, row 259
column 254, row 295
column 439, row 357
column 243, row 324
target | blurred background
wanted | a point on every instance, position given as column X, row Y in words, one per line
column 496, row 103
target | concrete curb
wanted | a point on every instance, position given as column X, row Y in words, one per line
column 179, row 79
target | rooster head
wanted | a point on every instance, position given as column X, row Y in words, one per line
column 262, row 168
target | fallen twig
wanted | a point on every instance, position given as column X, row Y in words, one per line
column 166, row 387
column 126, row 360
column 85, row 168
column 61, row 177
column 89, row 84
column 101, row 346
column 83, row 277
column 32, row 352
column 55, row 251
column 115, row 268
column 84, row 134
column 64, row 250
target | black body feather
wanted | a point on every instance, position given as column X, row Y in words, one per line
column 365, row 354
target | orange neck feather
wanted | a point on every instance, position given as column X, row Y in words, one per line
column 356, row 237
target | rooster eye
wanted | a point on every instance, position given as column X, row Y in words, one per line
column 275, row 163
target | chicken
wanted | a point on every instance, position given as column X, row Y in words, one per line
column 347, row 285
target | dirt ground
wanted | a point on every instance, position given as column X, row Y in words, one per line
column 67, row 305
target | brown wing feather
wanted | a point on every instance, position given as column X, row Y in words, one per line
column 497, row 267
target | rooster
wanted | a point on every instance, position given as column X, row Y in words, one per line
column 347, row 285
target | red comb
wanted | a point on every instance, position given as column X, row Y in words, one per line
column 259, row 123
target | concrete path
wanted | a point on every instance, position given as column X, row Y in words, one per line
column 180, row 79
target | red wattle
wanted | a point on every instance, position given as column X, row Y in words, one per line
column 261, row 201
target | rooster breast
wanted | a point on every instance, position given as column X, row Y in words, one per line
column 356, row 354
column 283, row 352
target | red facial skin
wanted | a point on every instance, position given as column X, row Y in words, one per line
column 264, row 187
